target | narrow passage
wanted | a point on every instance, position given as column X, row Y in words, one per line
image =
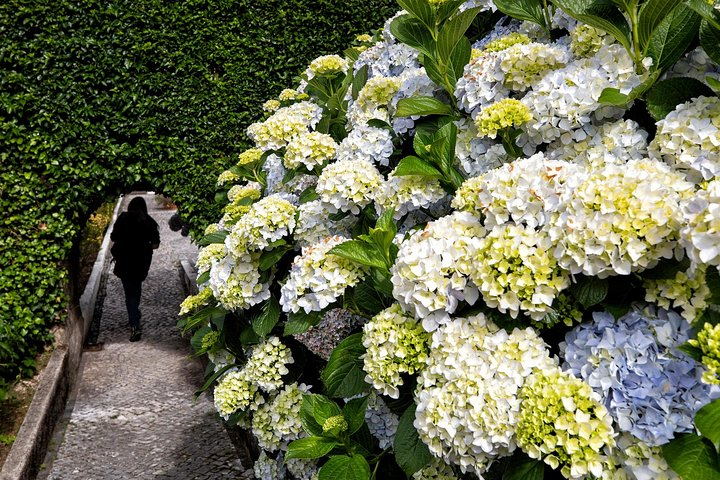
column 133, row 414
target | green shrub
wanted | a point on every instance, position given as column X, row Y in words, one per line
column 100, row 98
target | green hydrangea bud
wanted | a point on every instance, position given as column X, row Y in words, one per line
column 335, row 425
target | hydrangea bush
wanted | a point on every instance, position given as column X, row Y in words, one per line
column 483, row 243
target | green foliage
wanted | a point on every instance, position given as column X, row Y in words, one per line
column 410, row 452
column 98, row 98
column 668, row 94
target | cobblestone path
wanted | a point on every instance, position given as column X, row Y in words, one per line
column 133, row 415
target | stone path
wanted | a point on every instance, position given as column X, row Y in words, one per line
column 133, row 414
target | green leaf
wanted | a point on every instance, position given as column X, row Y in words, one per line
column 359, row 81
column 707, row 421
column 710, row 40
column 458, row 59
column 203, row 277
column 522, row 467
column 529, row 10
column 705, row 10
column 693, row 352
column 343, row 375
column 310, row 447
column 613, row 96
column 447, row 9
column 433, row 70
column 422, row 106
column 651, row 14
column 268, row 318
column 421, row 10
column 211, row 379
column 269, row 259
column 714, row 84
column 366, row 299
column 307, row 417
column 360, row 252
column 354, row 413
column 386, row 221
column 589, row 291
column 413, row 33
column 412, row 165
column 453, row 31
column 308, row 195
column 321, row 407
column 692, row 457
column 216, row 237
column 666, row 95
column 712, row 280
column 300, row 322
column 672, row 37
column 410, row 452
column 342, row 467
column 203, row 316
column 600, row 14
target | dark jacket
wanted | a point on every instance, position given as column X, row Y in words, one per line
column 135, row 235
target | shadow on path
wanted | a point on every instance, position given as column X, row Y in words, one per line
column 133, row 414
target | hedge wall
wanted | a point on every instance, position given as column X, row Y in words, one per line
column 99, row 98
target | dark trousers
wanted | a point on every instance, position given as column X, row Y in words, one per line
column 133, row 290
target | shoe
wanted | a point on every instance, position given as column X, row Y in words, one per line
column 134, row 334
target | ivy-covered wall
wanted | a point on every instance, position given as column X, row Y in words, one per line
column 98, row 98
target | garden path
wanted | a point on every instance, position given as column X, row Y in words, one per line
column 133, row 414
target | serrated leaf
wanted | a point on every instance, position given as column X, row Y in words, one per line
column 360, row 252
column 651, row 15
column 613, row 96
column 706, row 11
column 529, row 10
column 308, row 195
column 707, row 421
column 342, row 467
column 412, row 165
column 421, row 10
column 386, row 221
column 301, row 322
column 458, row 59
column 215, row 237
column 343, row 375
column 411, row 453
column 600, row 14
column 211, row 379
column 310, row 447
column 693, row 352
column 366, row 299
column 268, row 318
column 434, row 71
column 203, row 277
column 359, row 81
column 354, row 413
column 692, row 457
column 590, row 291
column 710, row 40
column 672, row 37
column 522, row 467
column 269, row 259
column 452, row 31
column 321, row 407
column 666, row 95
column 413, row 33
column 422, row 106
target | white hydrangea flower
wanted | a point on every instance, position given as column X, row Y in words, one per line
column 266, row 365
column 524, row 64
column 687, row 291
column 483, row 4
column 701, row 231
column 633, row 459
column 467, row 395
column 621, row 219
column 566, row 99
column 614, row 142
column 285, row 123
column 302, row 469
column 481, row 83
column 267, row 221
column 407, row 193
column 381, row 421
column 695, row 64
column 277, row 422
column 387, row 59
column 327, row 65
column 314, row 224
column 395, row 343
column 526, row 191
column 235, row 281
column 318, row 278
column 515, row 271
column 430, row 274
column 220, row 359
column 436, row 470
column 688, row 138
column 349, row 185
column 236, row 391
column 275, row 172
column 413, row 82
column 367, row 143
column 266, row 468
column 587, row 40
column 474, row 155
column 310, row 149
column 208, row 255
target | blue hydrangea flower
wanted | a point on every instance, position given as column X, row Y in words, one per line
column 651, row 389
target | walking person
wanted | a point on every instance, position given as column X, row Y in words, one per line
column 135, row 235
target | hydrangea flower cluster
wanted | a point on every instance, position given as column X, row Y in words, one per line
column 506, row 113
column 502, row 43
column 701, row 232
column 277, row 422
column 687, row 291
column 468, row 402
column 313, row 223
column 310, row 149
column 236, row 283
column 235, row 391
column 689, row 138
column 267, row 364
column 515, row 271
column 267, row 221
column 349, row 185
column 367, row 143
column 287, row 122
column 381, row 421
column 395, row 344
column 327, row 65
column 194, row 302
column 563, row 423
column 651, row 389
column 621, row 219
column 708, row 341
column 406, row 193
column 586, row 40
column 525, row 64
column 318, row 278
column 635, row 459
column 430, row 274
column 436, row 470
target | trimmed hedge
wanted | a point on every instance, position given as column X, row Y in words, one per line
column 100, row 98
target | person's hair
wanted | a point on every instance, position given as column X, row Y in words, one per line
column 138, row 205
